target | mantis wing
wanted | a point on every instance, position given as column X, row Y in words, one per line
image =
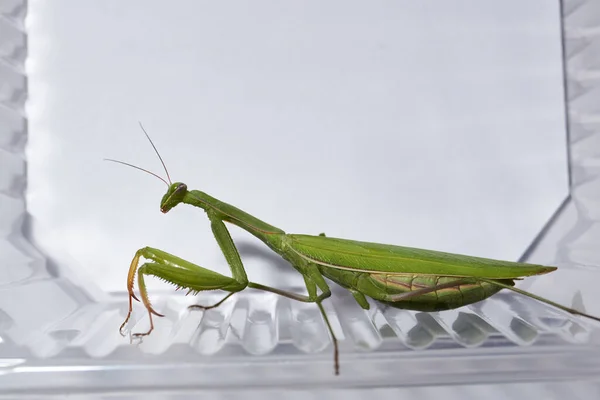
column 389, row 259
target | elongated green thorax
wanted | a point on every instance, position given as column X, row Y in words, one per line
column 178, row 193
column 229, row 213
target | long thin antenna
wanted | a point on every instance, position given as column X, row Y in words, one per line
column 136, row 167
column 156, row 151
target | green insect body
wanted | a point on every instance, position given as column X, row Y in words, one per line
column 402, row 277
column 387, row 273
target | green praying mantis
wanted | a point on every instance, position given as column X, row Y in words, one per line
column 401, row 277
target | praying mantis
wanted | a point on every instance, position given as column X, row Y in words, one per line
column 401, row 277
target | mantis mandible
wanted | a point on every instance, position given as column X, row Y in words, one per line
column 401, row 277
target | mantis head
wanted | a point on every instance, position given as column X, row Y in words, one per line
column 175, row 192
column 174, row 196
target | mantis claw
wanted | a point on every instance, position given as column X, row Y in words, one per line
column 151, row 310
column 121, row 328
column 138, row 337
column 141, row 335
column 128, row 314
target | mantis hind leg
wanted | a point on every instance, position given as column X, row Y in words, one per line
column 542, row 299
column 313, row 279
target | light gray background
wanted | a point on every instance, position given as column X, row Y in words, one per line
column 435, row 124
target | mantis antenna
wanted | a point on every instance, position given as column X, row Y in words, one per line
column 145, row 170
column 157, row 153
column 136, row 167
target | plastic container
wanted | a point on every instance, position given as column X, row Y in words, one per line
column 315, row 120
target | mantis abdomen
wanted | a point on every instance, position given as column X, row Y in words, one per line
column 440, row 299
column 397, row 290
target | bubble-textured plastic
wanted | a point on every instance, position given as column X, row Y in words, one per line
column 57, row 338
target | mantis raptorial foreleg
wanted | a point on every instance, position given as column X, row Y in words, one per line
column 185, row 274
column 312, row 277
column 228, row 249
column 177, row 271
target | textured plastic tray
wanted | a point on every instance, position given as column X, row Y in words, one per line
column 437, row 127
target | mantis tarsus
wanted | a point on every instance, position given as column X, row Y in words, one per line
column 402, row 277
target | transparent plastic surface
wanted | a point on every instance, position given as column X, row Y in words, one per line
column 59, row 328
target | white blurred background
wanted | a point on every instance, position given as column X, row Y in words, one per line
column 436, row 124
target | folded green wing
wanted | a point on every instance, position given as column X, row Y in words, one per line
column 375, row 257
